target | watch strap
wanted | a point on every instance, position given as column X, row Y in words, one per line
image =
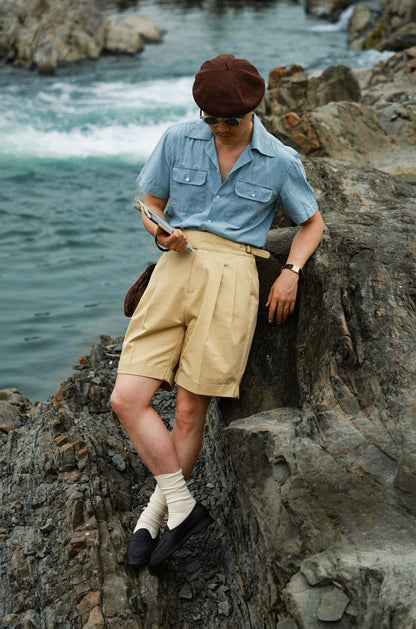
column 292, row 267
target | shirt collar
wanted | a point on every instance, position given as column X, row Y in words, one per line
column 261, row 140
column 198, row 130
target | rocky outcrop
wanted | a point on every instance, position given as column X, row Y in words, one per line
column 71, row 489
column 362, row 116
column 322, row 448
column 390, row 27
column 310, row 474
column 47, row 33
column 127, row 35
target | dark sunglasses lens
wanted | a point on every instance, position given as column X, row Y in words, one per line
column 233, row 122
column 210, row 120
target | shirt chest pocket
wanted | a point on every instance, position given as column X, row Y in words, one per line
column 188, row 189
column 251, row 204
column 253, row 192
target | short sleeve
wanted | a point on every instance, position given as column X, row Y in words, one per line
column 154, row 177
column 296, row 194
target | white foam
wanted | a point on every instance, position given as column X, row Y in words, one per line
column 114, row 119
column 117, row 95
column 131, row 142
column 340, row 25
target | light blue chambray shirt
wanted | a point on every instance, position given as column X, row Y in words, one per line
column 184, row 169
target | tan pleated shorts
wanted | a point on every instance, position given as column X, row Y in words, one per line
column 195, row 322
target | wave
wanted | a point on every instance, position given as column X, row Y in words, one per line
column 119, row 95
column 103, row 120
column 129, row 142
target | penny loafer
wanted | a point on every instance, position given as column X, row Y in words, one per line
column 140, row 547
column 171, row 540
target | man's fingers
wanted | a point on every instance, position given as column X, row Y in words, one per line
column 280, row 310
column 176, row 241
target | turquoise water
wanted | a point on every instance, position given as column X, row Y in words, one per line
column 70, row 150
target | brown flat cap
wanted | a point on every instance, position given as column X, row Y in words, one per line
column 226, row 86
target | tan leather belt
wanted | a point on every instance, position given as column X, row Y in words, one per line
column 260, row 253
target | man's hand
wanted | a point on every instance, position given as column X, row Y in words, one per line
column 176, row 241
column 282, row 296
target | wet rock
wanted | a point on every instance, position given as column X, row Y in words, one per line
column 121, row 39
column 127, row 35
column 402, row 38
column 390, row 27
column 45, row 34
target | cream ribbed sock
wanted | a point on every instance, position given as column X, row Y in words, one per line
column 178, row 498
column 152, row 516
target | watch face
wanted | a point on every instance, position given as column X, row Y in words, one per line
column 292, row 267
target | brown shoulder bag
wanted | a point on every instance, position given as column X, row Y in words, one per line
column 135, row 293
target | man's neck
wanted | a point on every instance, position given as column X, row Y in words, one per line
column 228, row 153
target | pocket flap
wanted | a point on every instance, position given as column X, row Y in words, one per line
column 189, row 176
column 253, row 191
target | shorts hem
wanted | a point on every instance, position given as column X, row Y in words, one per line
column 148, row 371
column 214, row 390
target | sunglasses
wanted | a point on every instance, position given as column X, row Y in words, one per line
column 212, row 120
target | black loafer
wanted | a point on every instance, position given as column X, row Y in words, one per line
column 171, row 540
column 140, row 547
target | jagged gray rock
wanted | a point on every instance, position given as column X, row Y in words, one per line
column 364, row 116
column 323, row 481
column 71, row 490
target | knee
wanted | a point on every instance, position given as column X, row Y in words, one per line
column 188, row 417
column 122, row 405
column 117, row 403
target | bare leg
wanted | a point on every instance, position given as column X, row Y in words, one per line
column 188, row 428
column 131, row 400
column 169, row 457
column 160, row 451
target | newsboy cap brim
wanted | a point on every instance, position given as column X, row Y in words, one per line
column 227, row 86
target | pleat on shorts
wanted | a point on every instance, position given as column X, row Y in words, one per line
column 195, row 322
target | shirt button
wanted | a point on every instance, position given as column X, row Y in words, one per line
column 209, row 220
column 218, row 196
column 253, row 195
column 187, row 179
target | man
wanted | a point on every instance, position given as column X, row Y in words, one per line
column 222, row 175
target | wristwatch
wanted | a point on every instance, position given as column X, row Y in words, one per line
column 292, row 267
